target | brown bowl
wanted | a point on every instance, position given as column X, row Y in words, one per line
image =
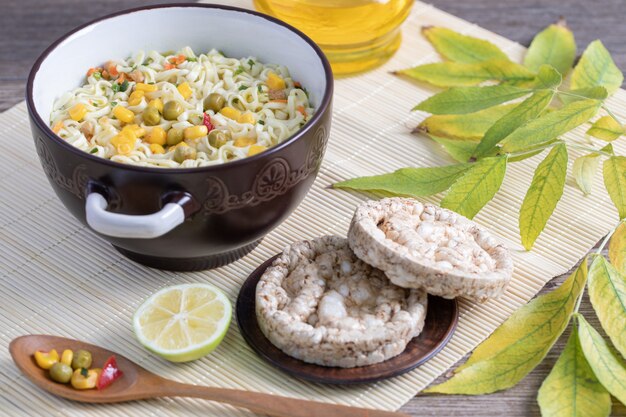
column 217, row 214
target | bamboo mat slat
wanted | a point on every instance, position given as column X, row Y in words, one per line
column 57, row 277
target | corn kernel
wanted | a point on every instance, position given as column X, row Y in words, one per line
column 243, row 141
column 275, row 82
column 135, row 98
column 45, row 360
column 255, row 149
column 157, row 136
column 185, row 90
column 67, row 356
column 247, row 118
column 135, row 129
column 146, row 88
column 78, row 112
column 156, row 148
column 196, row 132
column 157, row 104
column 123, row 114
column 231, row 113
column 79, row 381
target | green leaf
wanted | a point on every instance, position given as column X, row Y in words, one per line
column 453, row 46
column 571, row 388
column 456, row 74
column 596, row 68
column 469, row 194
column 529, row 109
column 544, row 193
column 459, row 150
column 606, row 128
column 551, row 125
column 584, row 170
column 554, row 46
column 596, row 93
column 532, row 151
column 462, row 100
column 519, row 344
column 414, row 182
column 614, row 171
column 606, row 364
column 471, row 126
column 617, row 249
column 607, row 292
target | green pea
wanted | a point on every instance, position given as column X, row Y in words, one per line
column 174, row 136
column 82, row 359
column 182, row 153
column 214, row 102
column 61, row 372
column 219, row 138
column 172, row 109
column 151, row 116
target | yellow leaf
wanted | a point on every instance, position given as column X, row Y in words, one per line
column 456, row 74
column 544, row 193
column 596, row 68
column 607, row 292
column 608, row 367
column 453, row 46
column 606, row 129
column 571, row 389
column 471, row 126
column 614, row 171
column 519, row 344
column 617, row 249
column 554, row 46
column 584, row 170
column 469, row 194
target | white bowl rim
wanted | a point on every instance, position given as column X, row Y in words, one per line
column 323, row 107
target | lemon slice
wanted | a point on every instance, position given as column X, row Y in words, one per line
column 184, row 322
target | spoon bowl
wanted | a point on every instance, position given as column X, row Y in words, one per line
column 138, row 383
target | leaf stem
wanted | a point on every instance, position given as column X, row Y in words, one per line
column 612, row 114
column 586, row 148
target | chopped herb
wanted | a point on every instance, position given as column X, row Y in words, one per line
column 302, row 124
column 243, row 87
column 251, row 63
column 192, row 59
column 113, row 103
column 261, row 122
column 148, row 61
column 124, row 86
column 94, row 150
column 236, row 100
column 221, row 53
column 240, row 70
column 151, row 82
column 97, row 75
column 134, row 67
column 260, row 88
column 84, row 372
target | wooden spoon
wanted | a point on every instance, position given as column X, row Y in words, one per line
column 138, row 384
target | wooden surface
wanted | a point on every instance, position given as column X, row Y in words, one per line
column 28, row 26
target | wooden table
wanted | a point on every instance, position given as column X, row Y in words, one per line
column 28, row 26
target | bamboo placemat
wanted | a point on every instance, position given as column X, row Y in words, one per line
column 59, row 278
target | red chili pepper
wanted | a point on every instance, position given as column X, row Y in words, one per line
column 206, row 120
column 110, row 372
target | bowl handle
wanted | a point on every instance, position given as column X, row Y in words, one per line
column 178, row 206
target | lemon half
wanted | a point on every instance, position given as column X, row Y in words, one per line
column 183, row 322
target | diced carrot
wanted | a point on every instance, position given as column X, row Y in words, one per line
column 168, row 66
column 91, row 71
column 297, row 84
column 111, row 67
column 105, row 75
column 301, row 110
column 278, row 101
column 57, row 127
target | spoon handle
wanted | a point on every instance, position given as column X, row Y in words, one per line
column 273, row 405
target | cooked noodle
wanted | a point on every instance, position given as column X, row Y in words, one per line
column 85, row 118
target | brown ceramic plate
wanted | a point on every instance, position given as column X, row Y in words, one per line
column 441, row 320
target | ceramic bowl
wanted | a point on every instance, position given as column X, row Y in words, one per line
column 191, row 218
